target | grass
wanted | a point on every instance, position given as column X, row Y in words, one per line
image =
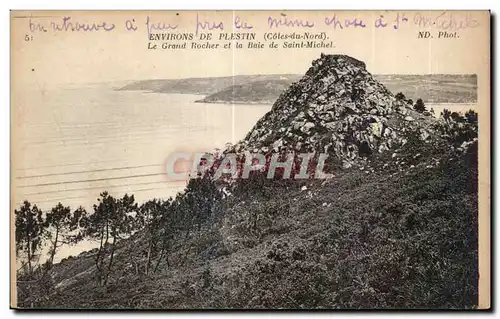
column 388, row 239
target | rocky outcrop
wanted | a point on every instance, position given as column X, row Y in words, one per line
column 338, row 108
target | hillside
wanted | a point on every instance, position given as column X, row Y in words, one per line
column 395, row 227
column 433, row 88
column 380, row 240
column 200, row 86
column 265, row 89
column 258, row 92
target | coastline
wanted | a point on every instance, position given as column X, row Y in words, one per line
column 203, row 101
column 272, row 102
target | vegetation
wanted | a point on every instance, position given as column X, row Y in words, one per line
column 62, row 224
column 400, row 96
column 419, row 106
column 111, row 220
column 29, row 232
column 152, row 219
column 459, row 128
column 392, row 238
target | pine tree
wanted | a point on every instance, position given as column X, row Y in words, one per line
column 166, row 232
column 112, row 219
column 29, row 231
column 150, row 220
column 62, row 223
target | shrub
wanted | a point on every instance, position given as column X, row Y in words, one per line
column 419, row 106
column 400, row 96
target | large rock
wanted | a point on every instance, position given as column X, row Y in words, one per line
column 336, row 107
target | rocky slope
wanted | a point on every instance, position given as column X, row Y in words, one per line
column 403, row 236
column 337, row 108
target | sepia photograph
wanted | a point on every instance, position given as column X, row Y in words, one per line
column 250, row 160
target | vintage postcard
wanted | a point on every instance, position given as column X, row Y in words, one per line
column 250, row 160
